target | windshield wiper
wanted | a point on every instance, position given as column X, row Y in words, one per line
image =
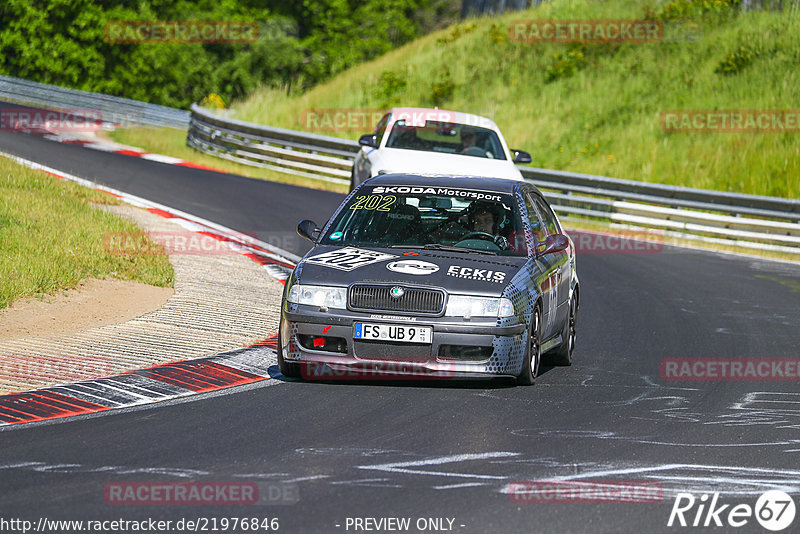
column 447, row 248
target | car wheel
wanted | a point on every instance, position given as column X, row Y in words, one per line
column 533, row 352
column 288, row 369
column 563, row 354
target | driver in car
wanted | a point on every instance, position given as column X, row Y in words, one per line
column 482, row 218
column 469, row 143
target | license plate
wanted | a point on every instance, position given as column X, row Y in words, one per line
column 393, row 332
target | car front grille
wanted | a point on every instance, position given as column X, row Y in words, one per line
column 369, row 297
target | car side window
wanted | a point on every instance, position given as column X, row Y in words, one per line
column 380, row 129
column 548, row 217
column 537, row 228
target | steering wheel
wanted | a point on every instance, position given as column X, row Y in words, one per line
column 478, row 235
column 474, row 151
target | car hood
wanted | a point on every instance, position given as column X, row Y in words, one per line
column 417, row 162
column 458, row 273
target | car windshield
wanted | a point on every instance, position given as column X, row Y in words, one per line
column 430, row 217
column 446, row 137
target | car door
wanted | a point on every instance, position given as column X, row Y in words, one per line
column 546, row 267
column 560, row 259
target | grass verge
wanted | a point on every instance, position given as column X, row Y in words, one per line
column 595, row 108
column 51, row 237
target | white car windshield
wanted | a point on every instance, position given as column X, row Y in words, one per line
column 446, row 137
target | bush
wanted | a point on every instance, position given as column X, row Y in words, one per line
column 683, row 10
column 566, row 65
column 390, row 85
column 442, row 89
column 736, row 61
column 300, row 43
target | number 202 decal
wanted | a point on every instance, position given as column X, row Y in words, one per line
column 373, row 202
column 349, row 258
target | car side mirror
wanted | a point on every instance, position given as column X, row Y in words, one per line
column 554, row 243
column 307, row 229
column 368, row 140
column 520, row 156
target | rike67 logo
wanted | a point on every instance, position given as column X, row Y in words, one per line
column 774, row 510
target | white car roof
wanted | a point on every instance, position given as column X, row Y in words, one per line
column 420, row 115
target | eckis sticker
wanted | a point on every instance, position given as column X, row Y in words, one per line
column 349, row 258
column 484, row 275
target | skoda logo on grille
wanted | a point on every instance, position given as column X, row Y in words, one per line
column 397, row 292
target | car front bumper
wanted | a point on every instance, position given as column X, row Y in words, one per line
column 459, row 349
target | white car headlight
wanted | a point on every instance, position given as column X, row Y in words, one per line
column 322, row 296
column 467, row 307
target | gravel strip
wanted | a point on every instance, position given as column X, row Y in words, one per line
column 221, row 302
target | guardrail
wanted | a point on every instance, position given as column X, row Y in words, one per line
column 748, row 221
column 303, row 154
column 114, row 110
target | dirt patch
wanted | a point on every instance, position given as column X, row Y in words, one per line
column 93, row 303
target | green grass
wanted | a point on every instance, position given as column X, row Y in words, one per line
column 604, row 118
column 172, row 142
column 51, row 237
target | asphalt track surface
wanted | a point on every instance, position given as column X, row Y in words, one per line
column 447, row 450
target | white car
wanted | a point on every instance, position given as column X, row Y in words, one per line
column 435, row 141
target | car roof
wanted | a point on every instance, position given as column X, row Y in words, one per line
column 445, row 115
column 495, row 185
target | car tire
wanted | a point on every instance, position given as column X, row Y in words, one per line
column 288, row 369
column 533, row 351
column 563, row 354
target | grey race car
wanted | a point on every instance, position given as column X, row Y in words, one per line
column 432, row 277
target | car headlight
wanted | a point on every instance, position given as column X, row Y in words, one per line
column 467, row 307
column 322, row 296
